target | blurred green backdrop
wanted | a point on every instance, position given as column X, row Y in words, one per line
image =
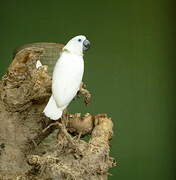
column 129, row 70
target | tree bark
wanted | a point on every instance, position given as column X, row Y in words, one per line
column 34, row 147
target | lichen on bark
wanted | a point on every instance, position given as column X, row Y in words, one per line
column 34, row 147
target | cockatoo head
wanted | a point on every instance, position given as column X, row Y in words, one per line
column 77, row 45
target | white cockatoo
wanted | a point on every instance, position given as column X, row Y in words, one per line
column 67, row 76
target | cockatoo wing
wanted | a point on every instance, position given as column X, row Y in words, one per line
column 67, row 78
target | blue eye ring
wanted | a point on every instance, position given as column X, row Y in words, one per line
column 79, row 40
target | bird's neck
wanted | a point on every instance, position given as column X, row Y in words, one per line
column 65, row 50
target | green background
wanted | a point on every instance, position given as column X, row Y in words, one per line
column 129, row 70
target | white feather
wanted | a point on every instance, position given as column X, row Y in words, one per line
column 38, row 64
column 51, row 110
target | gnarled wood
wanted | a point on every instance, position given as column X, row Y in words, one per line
column 31, row 145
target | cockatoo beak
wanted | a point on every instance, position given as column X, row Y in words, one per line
column 86, row 45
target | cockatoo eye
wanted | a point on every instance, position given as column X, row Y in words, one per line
column 79, row 40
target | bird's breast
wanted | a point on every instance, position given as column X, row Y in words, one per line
column 67, row 77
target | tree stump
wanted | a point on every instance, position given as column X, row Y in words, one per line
column 32, row 147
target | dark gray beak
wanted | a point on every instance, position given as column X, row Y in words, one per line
column 86, row 45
